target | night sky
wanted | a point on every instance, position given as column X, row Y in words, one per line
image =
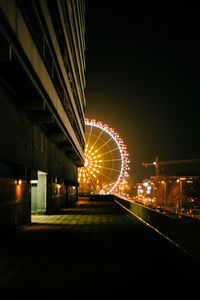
column 142, row 77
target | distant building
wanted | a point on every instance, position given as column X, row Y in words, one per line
column 42, row 110
column 178, row 194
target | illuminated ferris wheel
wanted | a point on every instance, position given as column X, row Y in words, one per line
column 106, row 160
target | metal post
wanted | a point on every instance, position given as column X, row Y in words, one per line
column 181, row 195
column 165, row 195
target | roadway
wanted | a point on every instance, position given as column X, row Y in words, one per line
column 94, row 249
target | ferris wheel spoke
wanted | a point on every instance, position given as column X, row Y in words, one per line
column 116, row 159
column 105, row 144
column 106, row 176
column 88, row 140
column 115, row 170
column 110, row 151
column 91, row 179
column 98, row 137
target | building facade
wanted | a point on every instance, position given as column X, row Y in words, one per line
column 42, row 111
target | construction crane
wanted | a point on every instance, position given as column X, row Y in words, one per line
column 158, row 163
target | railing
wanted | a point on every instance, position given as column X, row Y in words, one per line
column 190, row 207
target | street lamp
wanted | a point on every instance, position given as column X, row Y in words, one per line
column 180, row 181
column 164, row 194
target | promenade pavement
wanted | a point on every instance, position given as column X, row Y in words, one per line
column 95, row 249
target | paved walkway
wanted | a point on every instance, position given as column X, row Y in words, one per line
column 93, row 249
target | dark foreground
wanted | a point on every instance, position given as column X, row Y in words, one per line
column 93, row 250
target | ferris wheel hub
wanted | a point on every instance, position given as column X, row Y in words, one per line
column 86, row 163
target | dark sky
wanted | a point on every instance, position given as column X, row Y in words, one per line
column 143, row 78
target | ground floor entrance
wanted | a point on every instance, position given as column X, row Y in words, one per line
column 39, row 193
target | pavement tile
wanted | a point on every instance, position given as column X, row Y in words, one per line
column 93, row 247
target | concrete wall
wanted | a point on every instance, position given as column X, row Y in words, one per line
column 14, row 203
column 184, row 231
column 24, row 148
column 58, row 196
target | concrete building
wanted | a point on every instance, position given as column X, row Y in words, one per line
column 42, row 110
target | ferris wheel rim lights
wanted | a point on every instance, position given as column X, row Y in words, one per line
column 120, row 144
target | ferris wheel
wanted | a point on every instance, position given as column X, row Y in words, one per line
column 107, row 161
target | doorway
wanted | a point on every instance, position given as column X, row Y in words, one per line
column 39, row 193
